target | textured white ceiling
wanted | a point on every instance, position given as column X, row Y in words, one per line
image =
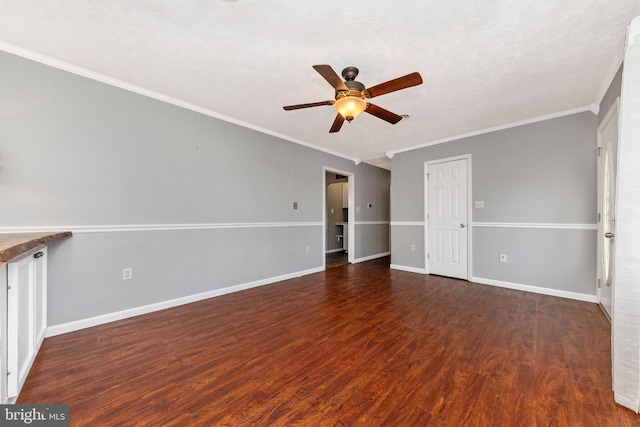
column 485, row 63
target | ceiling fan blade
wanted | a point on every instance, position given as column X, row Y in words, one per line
column 313, row 104
column 403, row 82
column 329, row 75
column 337, row 124
column 383, row 114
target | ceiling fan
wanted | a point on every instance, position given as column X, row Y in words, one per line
column 350, row 95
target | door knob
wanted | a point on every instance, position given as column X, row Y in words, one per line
column 609, row 235
column 462, row 226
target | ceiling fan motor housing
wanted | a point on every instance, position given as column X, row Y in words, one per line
column 350, row 73
column 355, row 89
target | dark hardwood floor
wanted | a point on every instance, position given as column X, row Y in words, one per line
column 334, row 259
column 355, row 345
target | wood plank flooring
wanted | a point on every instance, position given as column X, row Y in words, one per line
column 355, row 345
column 336, row 258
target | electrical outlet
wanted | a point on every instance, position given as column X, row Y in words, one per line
column 503, row 257
column 308, row 249
column 413, row 248
column 127, row 273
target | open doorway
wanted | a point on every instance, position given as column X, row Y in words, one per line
column 338, row 217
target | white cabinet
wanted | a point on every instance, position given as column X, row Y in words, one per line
column 345, row 195
column 3, row 333
column 337, row 203
column 26, row 321
column 345, row 226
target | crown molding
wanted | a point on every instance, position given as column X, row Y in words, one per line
column 80, row 71
column 590, row 107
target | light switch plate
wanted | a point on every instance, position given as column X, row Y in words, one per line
column 478, row 204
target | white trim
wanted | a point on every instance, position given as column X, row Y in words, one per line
column 372, row 222
column 80, row 229
column 425, row 213
column 370, row 257
column 633, row 31
column 409, row 269
column 589, row 107
column 626, row 402
column 535, row 225
column 535, row 289
column 511, row 225
column 351, row 218
column 136, row 311
column 74, row 69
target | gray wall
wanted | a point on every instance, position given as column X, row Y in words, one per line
column 613, row 92
column 76, row 152
column 372, row 213
column 540, row 173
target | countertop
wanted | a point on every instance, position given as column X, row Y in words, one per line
column 13, row 245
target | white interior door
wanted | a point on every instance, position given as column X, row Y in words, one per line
column 447, row 218
column 607, row 160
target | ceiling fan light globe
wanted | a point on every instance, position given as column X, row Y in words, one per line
column 350, row 106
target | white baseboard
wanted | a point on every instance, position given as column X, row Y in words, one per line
column 370, row 257
column 137, row 311
column 330, row 251
column 409, row 269
column 626, row 402
column 510, row 285
column 536, row 289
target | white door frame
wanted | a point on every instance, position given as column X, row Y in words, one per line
column 351, row 215
column 466, row 157
column 615, row 108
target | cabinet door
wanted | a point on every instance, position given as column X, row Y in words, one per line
column 26, row 316
column 345, row 194
column 3, row 334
